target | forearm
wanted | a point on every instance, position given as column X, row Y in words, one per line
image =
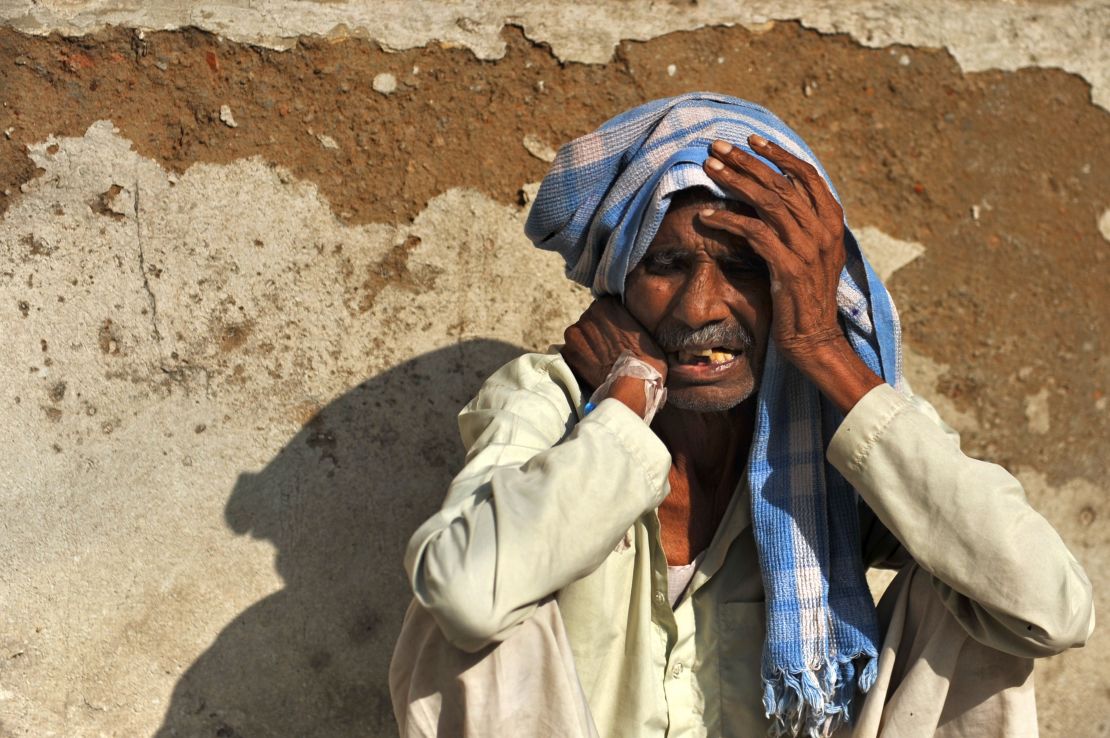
column 530, row 527
column 1001, row 568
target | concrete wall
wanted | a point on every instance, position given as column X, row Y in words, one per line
column 253, row 262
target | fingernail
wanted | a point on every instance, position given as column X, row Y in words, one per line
column 715, row 164
column 707, row 212
column 757, row 140
column 721, row 147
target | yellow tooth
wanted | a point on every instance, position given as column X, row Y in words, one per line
column 720, row 357
column 703, row 352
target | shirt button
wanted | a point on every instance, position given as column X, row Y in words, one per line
column 676, row 672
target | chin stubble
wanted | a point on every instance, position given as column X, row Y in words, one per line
column 705, row 404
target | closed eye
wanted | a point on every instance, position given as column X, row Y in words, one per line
column 743, row 265
column 666, row 262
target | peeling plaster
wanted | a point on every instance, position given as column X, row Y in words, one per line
column 923, row 375
column 1079, row 509
column 169, row 337
column 980, row 35
column 886, row 253
column 1037, row 412
column 195, row 323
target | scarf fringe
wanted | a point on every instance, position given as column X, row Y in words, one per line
column 814, row 703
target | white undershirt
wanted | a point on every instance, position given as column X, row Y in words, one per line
column 678, row 579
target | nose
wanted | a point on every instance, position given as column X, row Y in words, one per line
column 701, row 301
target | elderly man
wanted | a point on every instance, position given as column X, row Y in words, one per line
column 662, row 529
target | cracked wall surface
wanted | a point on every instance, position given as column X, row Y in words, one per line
column 980, row 35
column 246, row 290
column 216, row 354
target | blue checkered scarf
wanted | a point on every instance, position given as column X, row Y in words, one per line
column 599, row 206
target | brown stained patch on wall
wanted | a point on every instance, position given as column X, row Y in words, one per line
column 394, row 270
column 233, row 335
column 102, row 204
column 35, row 246
column 108, row 339
column 1002, row 176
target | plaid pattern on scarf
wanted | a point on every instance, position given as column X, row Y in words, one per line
column 600, row 206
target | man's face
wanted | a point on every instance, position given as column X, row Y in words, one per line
column 706, row 298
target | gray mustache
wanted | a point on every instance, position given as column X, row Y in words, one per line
column 674, row 338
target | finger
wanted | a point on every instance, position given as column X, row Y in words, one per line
column 803, row 174
column 615, row 315
column 612, row 325
column 608, row 301
column 770, row 205
column 781, row 261
column 799, row 204
column 801, row 188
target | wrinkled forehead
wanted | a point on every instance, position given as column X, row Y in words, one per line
column 681, row 223
column 703, row 197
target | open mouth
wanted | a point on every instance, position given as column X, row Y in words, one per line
column 709, row 357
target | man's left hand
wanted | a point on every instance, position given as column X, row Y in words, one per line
column 800, row 235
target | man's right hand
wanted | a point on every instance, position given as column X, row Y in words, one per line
column 601, row 334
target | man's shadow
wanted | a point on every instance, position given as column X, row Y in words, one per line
column 338, row 502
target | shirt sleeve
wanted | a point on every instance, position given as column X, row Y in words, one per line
column 998, row 565
column 542, row 499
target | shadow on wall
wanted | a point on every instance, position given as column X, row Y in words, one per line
column 339, row 502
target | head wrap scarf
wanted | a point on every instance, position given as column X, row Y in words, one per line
column 600, row 206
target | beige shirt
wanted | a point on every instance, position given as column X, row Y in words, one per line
column 554, row 503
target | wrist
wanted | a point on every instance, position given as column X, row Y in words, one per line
column 635, row 383
column 630, row 392
column 837, row 371
column 818, row 356
column 814, row 348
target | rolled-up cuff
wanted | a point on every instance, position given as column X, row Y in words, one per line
column 864, row 425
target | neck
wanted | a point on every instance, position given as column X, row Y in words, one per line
column 707, row 438
column 708, row 451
